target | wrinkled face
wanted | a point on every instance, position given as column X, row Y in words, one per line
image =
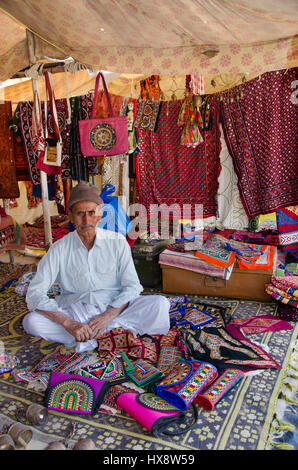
column 85, row 216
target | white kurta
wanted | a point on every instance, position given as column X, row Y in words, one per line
column 91, row 281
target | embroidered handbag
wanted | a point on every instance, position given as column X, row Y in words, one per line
column 103, row 136
column 185, row 381
column 144, row 373
column 50, row 159
column 155, row 414
column 73, row 394
column 221, row 387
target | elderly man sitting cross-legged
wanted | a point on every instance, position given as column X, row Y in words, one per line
column 100, row 289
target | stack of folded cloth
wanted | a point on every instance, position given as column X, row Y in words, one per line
column 284, row 289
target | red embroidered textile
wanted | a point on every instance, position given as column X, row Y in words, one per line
column 170, row 173
column 262, row 137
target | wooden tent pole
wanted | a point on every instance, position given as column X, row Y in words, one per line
column 43, row 175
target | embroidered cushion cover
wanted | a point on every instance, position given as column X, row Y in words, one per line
column 73, row 394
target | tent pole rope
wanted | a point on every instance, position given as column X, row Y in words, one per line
column 43, row 175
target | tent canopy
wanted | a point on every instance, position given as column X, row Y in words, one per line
column 175, row 37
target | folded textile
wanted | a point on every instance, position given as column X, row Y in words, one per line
column 261, row 238
column 289, row 284
column 184, row 382
column 190, row 262
column 287, row 226
column 244, row 250
column 264, row 262
column 215, row 252
column 219, row 389
column 290, row 269
column 120, row 340
column 72, row 394
column 260, row 324
column 281, row 295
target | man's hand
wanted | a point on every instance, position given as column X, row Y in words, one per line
column 100, row 322
column 81, row 331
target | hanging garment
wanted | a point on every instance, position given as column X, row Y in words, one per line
column 262, row 138
column 170, row 173
column 78, row 163
column 191, row 121
column 22, row 168
column 8, row 183
column 150, row 88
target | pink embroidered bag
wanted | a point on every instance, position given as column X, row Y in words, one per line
column 103, row 136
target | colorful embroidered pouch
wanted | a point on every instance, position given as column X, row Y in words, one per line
column 144, row 373
column 169, row 355
column 221, row 387
column 112, row 371
column 185, row 381
column 154, row 413
column 73, row 394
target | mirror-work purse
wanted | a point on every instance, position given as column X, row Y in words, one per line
column 74, row 394
column 155, row 414
column 185, row 381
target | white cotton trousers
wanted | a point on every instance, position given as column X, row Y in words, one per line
column 148, row 314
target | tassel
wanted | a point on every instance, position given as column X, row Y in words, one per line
column 289, row 400
column 283, row 426
column 281, row 445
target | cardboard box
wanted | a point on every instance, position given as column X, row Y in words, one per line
column 243, row 284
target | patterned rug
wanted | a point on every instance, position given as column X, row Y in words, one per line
column 241, row 421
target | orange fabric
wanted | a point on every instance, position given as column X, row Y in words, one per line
column 258, row 264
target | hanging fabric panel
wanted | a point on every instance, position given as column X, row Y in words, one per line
column 262, row 137
column 8, row 183
column 171, row 173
